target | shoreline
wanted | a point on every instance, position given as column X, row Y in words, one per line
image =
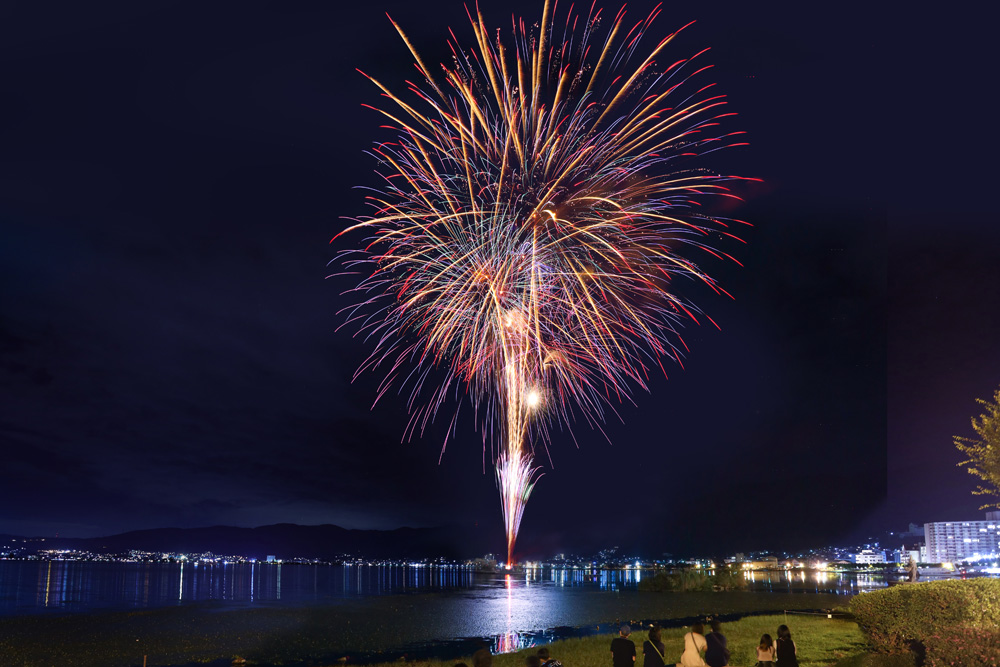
column 362, row 631
column 823, row 643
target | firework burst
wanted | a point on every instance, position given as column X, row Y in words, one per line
column 540, row 202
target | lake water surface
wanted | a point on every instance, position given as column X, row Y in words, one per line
column 81, row 586
column 318, row 614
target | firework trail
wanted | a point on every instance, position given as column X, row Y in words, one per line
column 539, row 203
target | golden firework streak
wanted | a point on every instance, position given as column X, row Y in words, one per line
column 531, row 228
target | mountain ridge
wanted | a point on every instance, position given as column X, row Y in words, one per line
column 287, row 540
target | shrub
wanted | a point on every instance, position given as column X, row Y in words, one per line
column 681, row 581
column 963, row 647
column 903, row 617
column 729, row 580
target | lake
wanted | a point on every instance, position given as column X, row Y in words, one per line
column 318, row 614
column 81, row 586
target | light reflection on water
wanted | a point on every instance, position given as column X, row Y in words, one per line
column 510, row 640
column 81, row 586
column 518, row 601
column 31, row 586
column 818, row 581
column 611, row 580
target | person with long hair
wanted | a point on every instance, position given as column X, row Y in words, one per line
column 694, row 647
column 784, row 648
column 765, row 651
column 653, row 648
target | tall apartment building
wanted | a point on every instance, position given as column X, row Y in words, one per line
column 952, row 541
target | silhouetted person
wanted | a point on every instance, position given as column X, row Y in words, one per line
column 653, row 648
column 623, row 648
column 784, row 648
column 716, row 651
column 547, row 660
column 482, row 658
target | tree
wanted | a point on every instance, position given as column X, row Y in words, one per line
column 984, row 452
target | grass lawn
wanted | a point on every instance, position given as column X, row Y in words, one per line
column 311, row 635
column 821, row 642
column 204, row 634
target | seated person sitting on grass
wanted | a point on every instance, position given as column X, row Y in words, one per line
column 547, row 660
column 785, row 650
column 482, row 657
column 623, row 648
column 716, row 651
column 765, row 651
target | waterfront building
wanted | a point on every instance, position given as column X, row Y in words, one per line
column 868, row 556
column 953, row 541
column 767, row 563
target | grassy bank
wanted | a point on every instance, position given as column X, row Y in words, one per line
column 271, row 635
column 821, row 642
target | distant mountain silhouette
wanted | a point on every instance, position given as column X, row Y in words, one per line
column 286, row 541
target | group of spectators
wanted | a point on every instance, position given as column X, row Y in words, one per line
column 541, row 658
column 701, row 650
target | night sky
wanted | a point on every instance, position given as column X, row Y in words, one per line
column 171, row 176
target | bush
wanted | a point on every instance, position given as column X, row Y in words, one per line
column 963, row 647
column 726, row 579
column 682, row 581
column 904, row 617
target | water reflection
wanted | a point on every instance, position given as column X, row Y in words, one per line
column 606, row 579
column 816, row 581
column 511, row 640
column 81, row 585
column 76, row 585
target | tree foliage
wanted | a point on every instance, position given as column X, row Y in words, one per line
column 984, row 451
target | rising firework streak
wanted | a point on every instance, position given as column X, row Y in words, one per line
column 541, row 199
